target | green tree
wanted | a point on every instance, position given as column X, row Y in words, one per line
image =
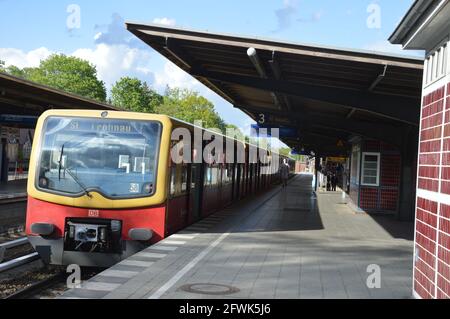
column 70, row 74
column 15, row 71
column 234, row 129
column 190, row 106
column 135, row 95
column 285, row 151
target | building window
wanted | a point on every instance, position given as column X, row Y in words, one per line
column 370, row 169
column 436, row 65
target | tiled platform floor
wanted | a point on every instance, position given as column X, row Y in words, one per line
column 283, row 244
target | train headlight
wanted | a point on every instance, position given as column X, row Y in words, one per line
column 81, row 235
column 91, row 233
column 86, row 233
column 43, row 182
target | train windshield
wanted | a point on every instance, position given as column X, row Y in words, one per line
column 114, row 157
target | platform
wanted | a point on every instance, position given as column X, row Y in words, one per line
column 286, row 243
column 13, row 190
column 13, row 206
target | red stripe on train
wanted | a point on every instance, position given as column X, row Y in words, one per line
column 153, row 218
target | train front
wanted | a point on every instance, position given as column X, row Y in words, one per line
column 96, row 186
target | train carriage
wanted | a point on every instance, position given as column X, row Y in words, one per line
column 103, row 184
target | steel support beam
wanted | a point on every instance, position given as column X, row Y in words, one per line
column 276, row 70
column 378, row 79
column 390, row 106
column 172, row 48
column 384, row 132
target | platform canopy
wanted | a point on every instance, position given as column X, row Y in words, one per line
column 19, row 97
column 326, row 95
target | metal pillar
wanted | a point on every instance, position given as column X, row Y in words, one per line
column 3, row 161
column 407, row 190
column 317, row 166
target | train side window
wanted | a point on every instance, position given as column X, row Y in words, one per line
column 227, row 174
column 223, row 174
column 172, row 180
column 208, row 175
column 193, row 176
column 220, row 168
column 184, row 178
column 214, row 175
column 178, row 179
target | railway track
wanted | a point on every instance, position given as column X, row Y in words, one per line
column 41, row 288
column 48, row 283
column 15, row 253
column 21, row 273
column 25, row 277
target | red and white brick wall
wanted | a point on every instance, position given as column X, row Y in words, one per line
column 431, row 271
column 385, row 196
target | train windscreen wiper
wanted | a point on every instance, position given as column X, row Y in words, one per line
column 61, row 152
column 78, row 182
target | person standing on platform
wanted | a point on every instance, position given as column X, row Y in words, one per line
column 328, row 181
column 333, row 182
column 284, row 171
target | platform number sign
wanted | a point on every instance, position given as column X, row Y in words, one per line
column 262, row 118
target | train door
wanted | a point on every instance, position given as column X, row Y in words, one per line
column 258, row 172
column 251, row 178
column 177, row 215
column 236, row 169
column 196, row 182
column 196, row 191
column 241, row 180
column 220, row 196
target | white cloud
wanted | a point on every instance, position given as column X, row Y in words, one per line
column 115, row 61
column 111, row 61
column 286, row 14
column 173, row 76
column 165, row 21
column 21, row 59
column 97, row 35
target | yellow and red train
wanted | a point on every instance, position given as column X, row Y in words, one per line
column 103, row 185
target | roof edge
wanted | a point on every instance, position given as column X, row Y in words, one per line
column 137, row 26
column 50, row 89
column 417, row 12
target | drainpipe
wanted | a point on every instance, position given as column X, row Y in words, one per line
column 254, row 58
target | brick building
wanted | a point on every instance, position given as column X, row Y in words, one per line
column 375, row 174
column 426, row 26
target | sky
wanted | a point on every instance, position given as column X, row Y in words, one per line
column 94, row 30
